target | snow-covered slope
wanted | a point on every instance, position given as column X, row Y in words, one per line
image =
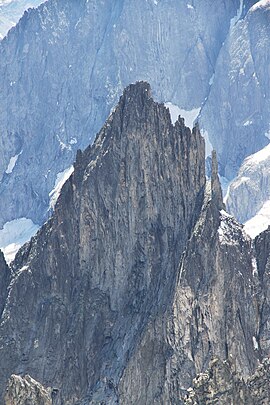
column 11, row 11
column 249, row 194
column 260, row 222
column 64, row 66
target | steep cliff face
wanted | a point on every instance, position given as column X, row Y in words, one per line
column 213, row 312
column 4, row 281
column 107, row 261
column 139, row 279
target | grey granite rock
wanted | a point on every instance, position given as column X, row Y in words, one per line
column 138, row 280
column 262, row 246
column 216, row 191
column 26, row 391
column 104, row 267
column 222, row 385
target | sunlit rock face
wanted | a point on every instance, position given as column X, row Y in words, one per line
column 25, row 390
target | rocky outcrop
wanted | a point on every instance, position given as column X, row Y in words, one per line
column 223, row 385
column 24, row 391
column 220, row 384
column 104, row 267
column 216, row 191
column 139, row 278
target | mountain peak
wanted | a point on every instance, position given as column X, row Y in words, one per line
column 216, row 190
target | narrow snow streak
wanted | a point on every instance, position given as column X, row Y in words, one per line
column 12, row 163
column 59, row 182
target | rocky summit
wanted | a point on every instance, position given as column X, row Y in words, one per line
column 139, row 279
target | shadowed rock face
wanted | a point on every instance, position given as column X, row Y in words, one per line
column 4, row 281
column 262, row 246
column 138, row 280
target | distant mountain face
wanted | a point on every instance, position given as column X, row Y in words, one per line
column 11, row 11
column 236, row 114
column 64, row 65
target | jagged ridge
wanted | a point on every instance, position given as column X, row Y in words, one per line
column 138, row 280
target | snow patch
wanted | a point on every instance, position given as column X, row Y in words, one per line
column 62, row 144
column 259, row 222
column 259, row 157
column 59, row 182
column 189, row 116
column 230, row 231
column 12, row 163
column 255, row 343
column 73, row 141
column 267, row 134
column 211, row 81
column 14, row 234
column 254, row 266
